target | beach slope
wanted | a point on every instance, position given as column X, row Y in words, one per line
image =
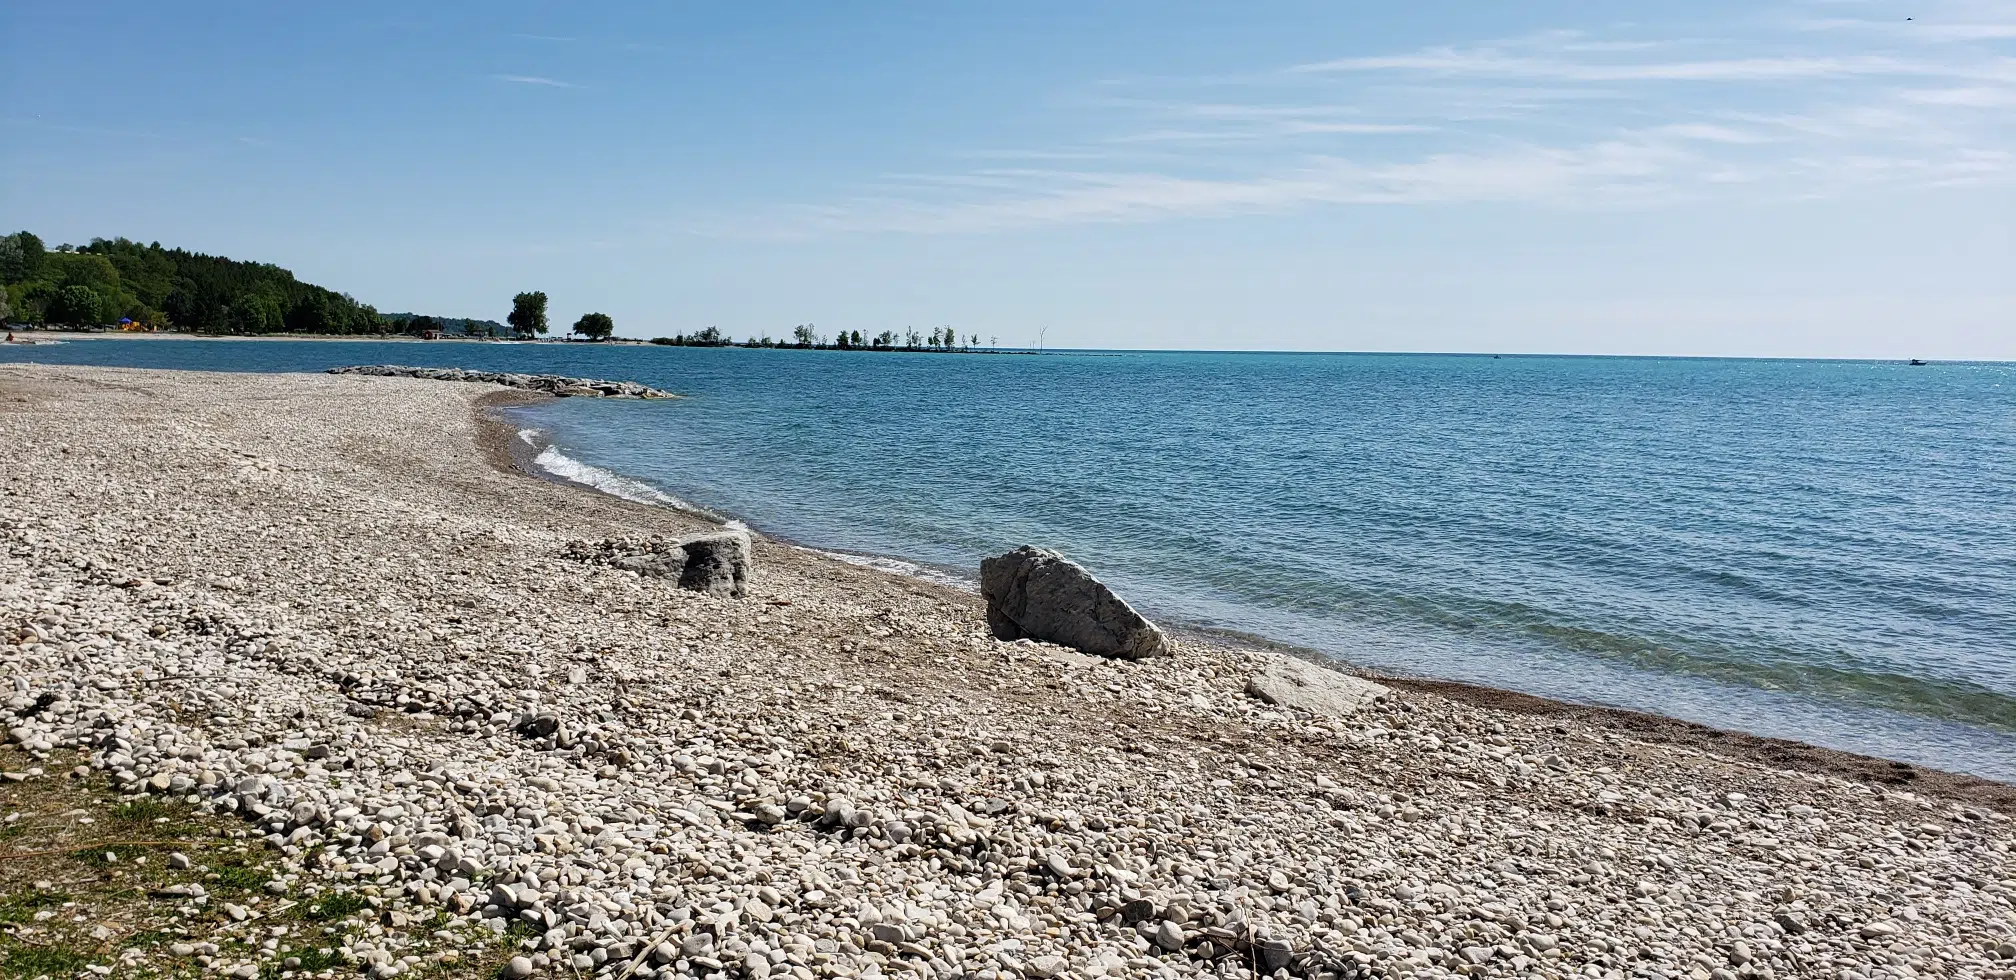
column 329, row 607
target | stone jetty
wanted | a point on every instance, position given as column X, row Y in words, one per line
column 551, row 384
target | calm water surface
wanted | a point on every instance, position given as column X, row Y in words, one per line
column 1817, row 550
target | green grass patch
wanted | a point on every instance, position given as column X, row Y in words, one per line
column 237, row 877
column 20, row 960
column 22, row 906
column 145, row 810
column 333, row 906
column 147, row 940
column 313, row 960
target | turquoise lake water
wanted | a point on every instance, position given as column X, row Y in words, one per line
column 1819, row 550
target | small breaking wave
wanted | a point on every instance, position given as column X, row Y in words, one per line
column 566, row 467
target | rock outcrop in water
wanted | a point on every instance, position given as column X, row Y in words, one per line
column 551, row 384
column 1042, row 595
column 717, row 564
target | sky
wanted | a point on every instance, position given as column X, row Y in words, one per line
column 1824, row 178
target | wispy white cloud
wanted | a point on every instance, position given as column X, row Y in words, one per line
column 534, row 80
column 1490, row 63
column 1971, row 96
column 1781, row 106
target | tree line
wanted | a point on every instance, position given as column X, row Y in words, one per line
column 118, row 279
column 806, row 336
column 528, row 319
column 156, row 288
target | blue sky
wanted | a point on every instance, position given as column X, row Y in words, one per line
column 1806, row 178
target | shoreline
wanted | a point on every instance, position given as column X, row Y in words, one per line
column 68, row 336
column 334, row 609
column 31, row 337
column 505, row 450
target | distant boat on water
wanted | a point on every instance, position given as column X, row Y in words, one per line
column 1917, row 363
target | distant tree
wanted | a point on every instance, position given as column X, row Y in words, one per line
column 973, row 340
column 886, row 338
column 6, row 308
column 912, row 339
column 421, row 324
column 77, row 305
column 20, row 257
column 31, row 301
column 802, row 333
column 528, row 314
column 595, row 326
column 253, row 314
column 993, row 341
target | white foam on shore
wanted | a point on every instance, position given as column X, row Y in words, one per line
column 897, row 566
column 566, row 467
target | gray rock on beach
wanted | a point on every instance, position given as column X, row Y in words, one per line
column 717, row 564
column 1292, row 683
column 1042, row 595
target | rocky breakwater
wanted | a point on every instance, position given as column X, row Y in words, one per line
column 551, row 384
column 356, row 637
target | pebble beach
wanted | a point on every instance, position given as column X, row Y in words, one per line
column 335, row 610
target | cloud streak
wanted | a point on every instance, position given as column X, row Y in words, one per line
column 1793, row 109
column 540, row 80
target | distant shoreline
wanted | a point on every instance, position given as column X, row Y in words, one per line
column 365, row 338
column 323, row 338
column 67, row 335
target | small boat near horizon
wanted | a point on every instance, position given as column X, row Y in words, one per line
column 1917, row 363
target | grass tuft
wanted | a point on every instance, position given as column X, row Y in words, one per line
column 20, row 960
column 23, row 906
column 241, row 877
column 333, row 906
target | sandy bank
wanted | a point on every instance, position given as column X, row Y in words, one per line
column 306, row 600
